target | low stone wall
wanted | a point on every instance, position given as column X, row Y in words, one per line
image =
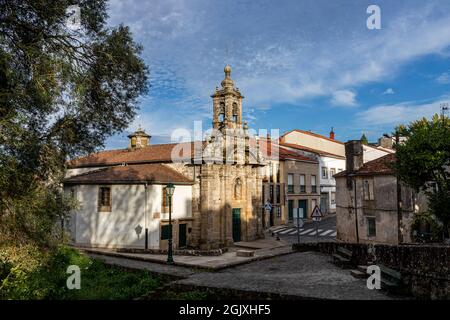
column 185, row 252
column 425, row 269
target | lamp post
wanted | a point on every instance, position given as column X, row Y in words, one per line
column 170, row 188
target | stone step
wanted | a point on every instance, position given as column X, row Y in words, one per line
column 358, row 274
column 363, row 269
column 341, row 261
column 245, row 253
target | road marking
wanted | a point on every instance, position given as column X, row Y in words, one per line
column 333, row 234
column 279, row 230
column 307, row 231
column 293, row 232
column 325, row 233
column 286, row 231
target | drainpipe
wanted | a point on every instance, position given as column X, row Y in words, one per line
column 399, row 201
column 356, row 211
column 145, row 217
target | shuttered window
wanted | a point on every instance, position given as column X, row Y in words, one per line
column 104, row 199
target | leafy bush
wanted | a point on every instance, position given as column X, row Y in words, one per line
column 426, row 228
column 30, row 273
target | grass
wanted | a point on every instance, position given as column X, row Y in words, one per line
column 44, row 277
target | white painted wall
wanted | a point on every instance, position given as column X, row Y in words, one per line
column 315, row 142
column 118, row 227
column 371, row 153
column 329, row 185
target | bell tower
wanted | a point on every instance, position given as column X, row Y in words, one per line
column 227, row 104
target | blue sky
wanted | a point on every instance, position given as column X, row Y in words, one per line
column 303, row 64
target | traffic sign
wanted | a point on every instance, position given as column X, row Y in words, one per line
column 316, row 215
column 268, row 206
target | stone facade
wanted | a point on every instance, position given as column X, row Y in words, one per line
column 227, row 180
column 367, row 201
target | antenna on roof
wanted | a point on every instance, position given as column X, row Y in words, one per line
column 444, row 109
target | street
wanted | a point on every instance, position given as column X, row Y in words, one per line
column 324, row 230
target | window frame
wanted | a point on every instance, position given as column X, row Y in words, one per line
column 101, row 206
column 324, row 170
column 302, row 186
column 371, row 232
column 313, row 185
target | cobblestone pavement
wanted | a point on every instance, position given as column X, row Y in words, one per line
column 308, row 275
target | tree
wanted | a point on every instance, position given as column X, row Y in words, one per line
column 364, row 140
column 62, row 93
column 423, row 160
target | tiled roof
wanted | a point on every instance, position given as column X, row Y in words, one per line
column 319, row 152
column 380, row 166
column 152, row 153
column 312, row 134
column 282, row 154
column 150, row 173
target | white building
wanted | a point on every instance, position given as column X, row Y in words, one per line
column 331, row 154
column 122, row 206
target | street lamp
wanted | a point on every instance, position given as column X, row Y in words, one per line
column 170, row 188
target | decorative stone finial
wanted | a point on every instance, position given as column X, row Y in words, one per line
column 227, row 82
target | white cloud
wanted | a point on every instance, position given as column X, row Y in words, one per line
column 400, row 113
column 344, row 98
column 444, row 78
column 389, row 91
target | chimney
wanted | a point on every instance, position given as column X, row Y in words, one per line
column 386, row 142
column 332, row 134
column 354, row 155
column 139, row 139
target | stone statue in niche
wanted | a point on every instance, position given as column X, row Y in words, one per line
column 238, row 189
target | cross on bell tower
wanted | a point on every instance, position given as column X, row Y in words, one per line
column 227, row 104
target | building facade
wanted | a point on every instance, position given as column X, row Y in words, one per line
column 218, row 187
column 368, row 208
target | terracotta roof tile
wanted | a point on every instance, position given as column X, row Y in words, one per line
column 151, row 173
column 319, row 152
column 276, row 151
column 380, row 166
column 152, row 153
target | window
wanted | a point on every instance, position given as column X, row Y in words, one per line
column 313, row 184
column 104, row 199
column 333, row 197
column 278, row 193
column 271, row 172
column 302, row 183
column 263, row 194
column 368, row 189
column 371, row 227
column 324, row 173
column 271, row 194
column 277, row 172
column 165, row 232
column 290, row 183
column 332, row 172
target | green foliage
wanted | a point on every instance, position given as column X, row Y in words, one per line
column 364, row 140
column 423, row 161
column 62, row 93
column 28, row 273
column 425, row 228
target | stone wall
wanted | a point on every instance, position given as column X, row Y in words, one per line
column 425, row 269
